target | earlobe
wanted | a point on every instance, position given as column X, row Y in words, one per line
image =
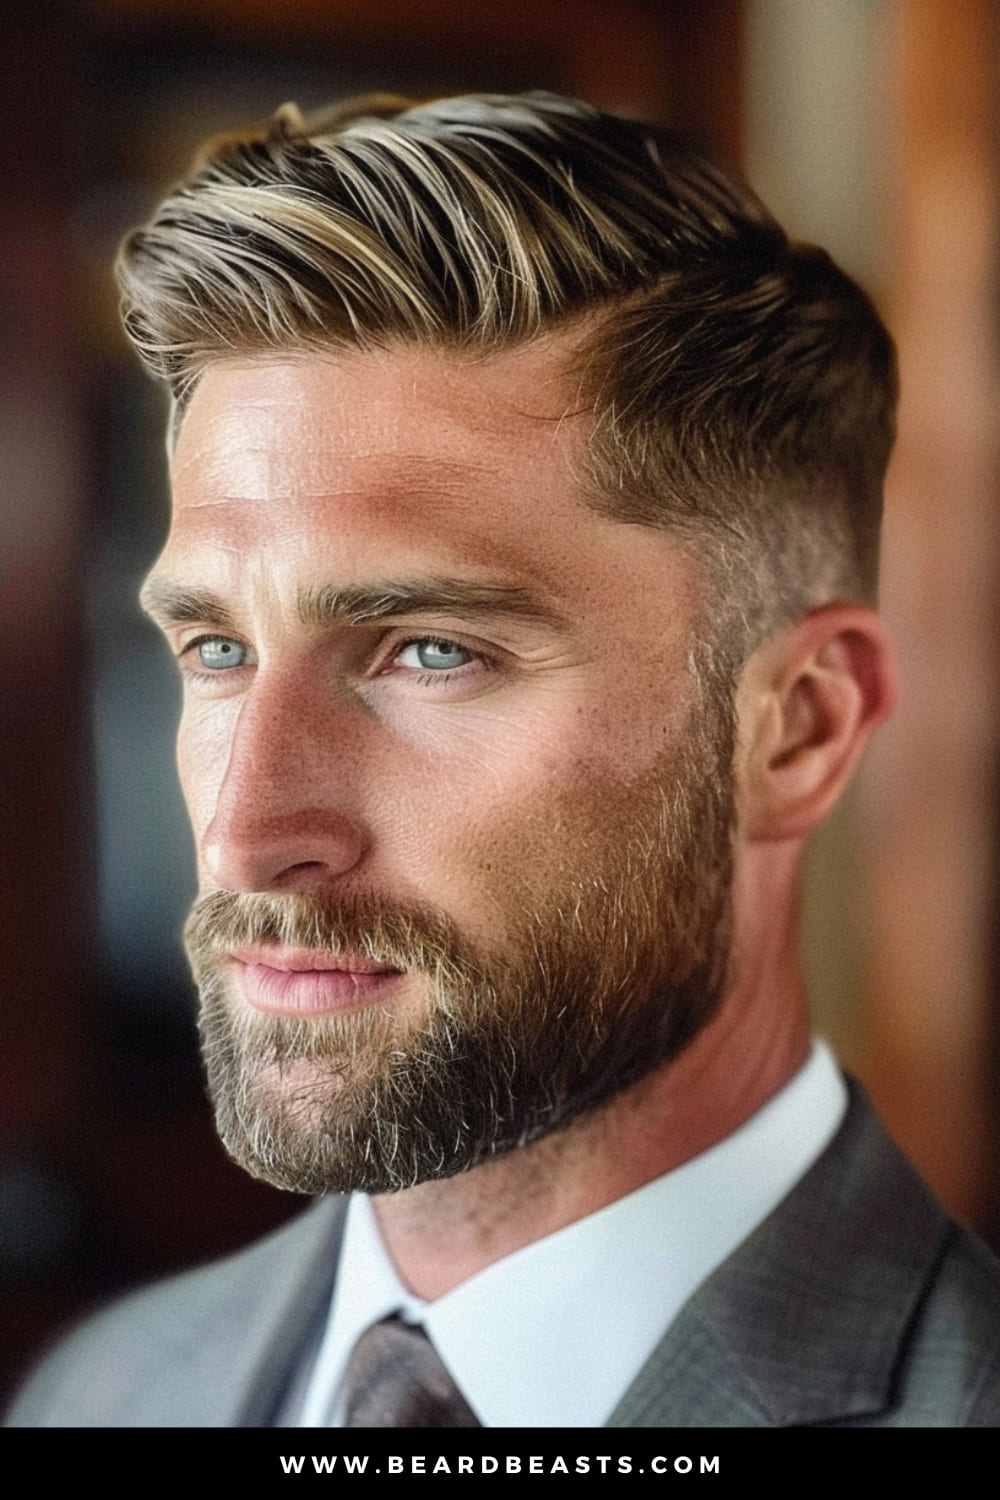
column 807, row 702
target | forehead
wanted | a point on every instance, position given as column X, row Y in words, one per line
column 406, row 404
column 401, row 461
column 395, row 432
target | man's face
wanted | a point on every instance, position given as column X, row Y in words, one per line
column 462, row 818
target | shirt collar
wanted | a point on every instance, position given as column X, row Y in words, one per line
column 553, row 1335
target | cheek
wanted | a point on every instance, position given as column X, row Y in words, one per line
column 522, row 863
column 556, row 738
column 497, row 810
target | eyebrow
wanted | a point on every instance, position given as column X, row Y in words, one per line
column 364, row 604
column 170, row 603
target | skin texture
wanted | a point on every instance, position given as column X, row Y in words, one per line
column 323, row 755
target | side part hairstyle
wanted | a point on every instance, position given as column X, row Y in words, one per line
column 742, row 388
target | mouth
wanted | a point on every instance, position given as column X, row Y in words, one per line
column 304, row 982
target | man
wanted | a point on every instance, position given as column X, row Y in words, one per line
column 526, row 498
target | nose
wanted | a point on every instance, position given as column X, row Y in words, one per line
column 274, row 799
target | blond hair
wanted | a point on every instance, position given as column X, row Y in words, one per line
column 742, row 388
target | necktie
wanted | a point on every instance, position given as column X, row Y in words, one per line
column 394, row 1378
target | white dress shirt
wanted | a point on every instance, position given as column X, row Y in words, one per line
column 553, row 1335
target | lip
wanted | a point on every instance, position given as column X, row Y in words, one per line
column 304, row 982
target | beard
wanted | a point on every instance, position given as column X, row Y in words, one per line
column 611, row 958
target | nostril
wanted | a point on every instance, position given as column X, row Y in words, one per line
column 303, row 871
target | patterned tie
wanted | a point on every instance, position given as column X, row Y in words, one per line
column 394, row 1378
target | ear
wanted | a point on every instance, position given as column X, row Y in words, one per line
column 807, row 701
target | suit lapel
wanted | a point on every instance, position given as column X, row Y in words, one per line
column 804, row 1323
column 254, row 1326
column 282, row 1337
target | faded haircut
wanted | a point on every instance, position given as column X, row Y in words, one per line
column 742, row 387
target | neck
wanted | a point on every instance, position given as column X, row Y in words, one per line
column 441, row 1233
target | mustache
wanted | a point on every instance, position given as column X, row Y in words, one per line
column 360, row 923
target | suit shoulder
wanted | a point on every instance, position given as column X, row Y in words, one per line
column 950, row 1374
column 856, row 1303
column 188, row 1351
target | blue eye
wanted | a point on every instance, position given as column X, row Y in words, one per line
column 216, row 653
column 434, row 656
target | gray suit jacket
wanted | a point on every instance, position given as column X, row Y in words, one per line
column 856, row 1303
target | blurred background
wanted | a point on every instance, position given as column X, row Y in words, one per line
column 868, row 125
